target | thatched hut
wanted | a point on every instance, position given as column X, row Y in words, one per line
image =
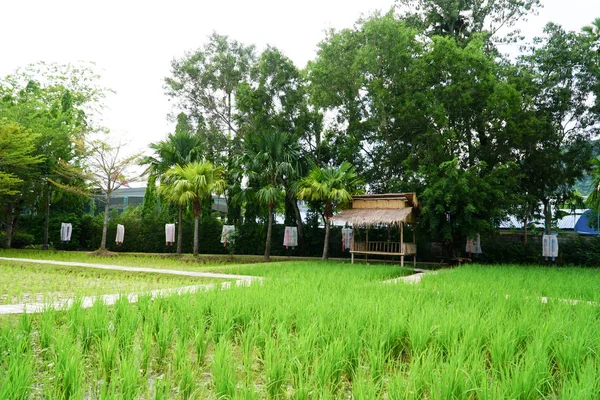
column 392, row 209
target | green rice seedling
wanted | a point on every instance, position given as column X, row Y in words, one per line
column 274, row 365
column 129, row 377
column 162, row 389
column 223, row 370
column 26, row 325
column 164, row 336
column 502, row 349
column 451, row 380
column 17, row 378
column 75, row 317
column 146, row 348
column 98, row 321
column 126, row 322
column 109, row 351
column 352, row 349
column 247, row 392
column 575, row 345
column 187, row 379
column 201, row 340
column 363, row 387
column 377, row 355
column 247, row 344
column 299, row 378
column 531, row 377
column 110, row 391
column 329, row 366
column 420, row 329
column 68, row 367
column 46, row 330
column 585, row 384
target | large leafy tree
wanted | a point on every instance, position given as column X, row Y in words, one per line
column 17, row 156
column 333, row 187
column 59, row 104
column 460, row 19
column 558, row 77
column 191, row 184
column 372, row 80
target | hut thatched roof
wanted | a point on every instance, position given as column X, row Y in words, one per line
column 373, row 216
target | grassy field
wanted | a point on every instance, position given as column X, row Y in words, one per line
column 316, row 330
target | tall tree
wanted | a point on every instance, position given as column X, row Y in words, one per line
column 106, row 170
column 334, row 187
column 191, row 184
column 276, row 100
column 59, row 104
column 460, row 19
column 558, row 74
column 270, row 157
column 181, row 148
column 204, row 84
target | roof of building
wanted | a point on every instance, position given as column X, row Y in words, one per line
column 374, row 216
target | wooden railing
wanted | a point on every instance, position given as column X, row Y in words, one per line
column 384, row 247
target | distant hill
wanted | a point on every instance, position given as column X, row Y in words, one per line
column 584, row 186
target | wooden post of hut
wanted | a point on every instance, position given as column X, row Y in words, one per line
column 392, row 209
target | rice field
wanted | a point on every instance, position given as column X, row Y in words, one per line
column 31, row 282
column 316, row 330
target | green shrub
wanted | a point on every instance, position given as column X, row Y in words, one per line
column 20, row 240
column 3, row 240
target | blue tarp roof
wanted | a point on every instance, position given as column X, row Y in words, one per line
column 582, row 226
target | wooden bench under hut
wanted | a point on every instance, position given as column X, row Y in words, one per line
column 376, row 210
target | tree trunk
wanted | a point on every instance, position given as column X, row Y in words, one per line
column 47, row 218
column 9, row 225
column 105, row 226
column 547, row 216
column 196, row 219
column 326, row 244
column 180, row 231
column 269, row 232
column 196, row 223
column 525, row 229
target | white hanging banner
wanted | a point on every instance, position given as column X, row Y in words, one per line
column 227, row 234
column 550, row 246
column 346, row 238
column 169, row 234
column 290, row 237
column 474, row 245
column 120, row 234
column 65, row 232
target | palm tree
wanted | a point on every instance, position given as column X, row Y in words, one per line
column 180, row 148
column 191, row 184
column 593, row 30
column 333, row 186
column 593, row 200
column 271, row 158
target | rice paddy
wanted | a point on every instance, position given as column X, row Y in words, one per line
column 321, row 330
column 31, row 282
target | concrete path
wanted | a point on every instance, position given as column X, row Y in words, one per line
column 412, row 279
column 135, row 269
column 109, row 299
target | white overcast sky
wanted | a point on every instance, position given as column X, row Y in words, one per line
column 133, row 42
